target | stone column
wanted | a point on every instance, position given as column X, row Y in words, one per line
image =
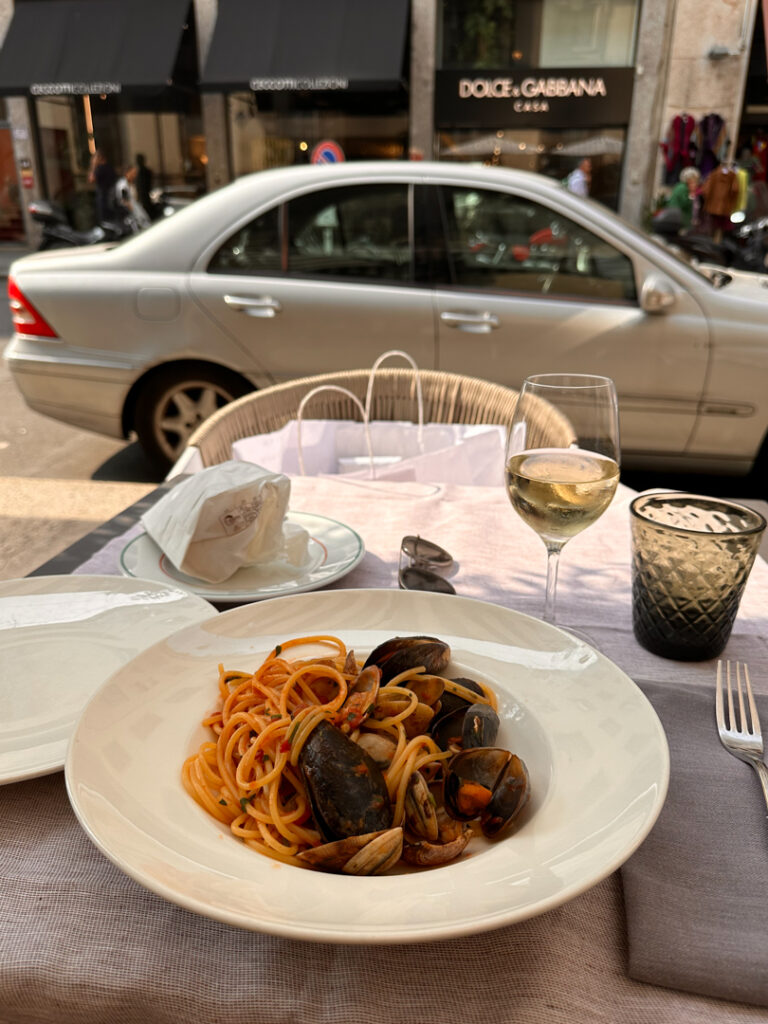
column 648, row 108
column 709, row 60
column 213, row 105
column 421, row 139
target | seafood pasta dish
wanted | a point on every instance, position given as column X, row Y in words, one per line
column 354, row 767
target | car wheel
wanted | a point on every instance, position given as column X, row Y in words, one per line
column 174, row 402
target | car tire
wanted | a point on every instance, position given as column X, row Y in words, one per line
column 174, row 401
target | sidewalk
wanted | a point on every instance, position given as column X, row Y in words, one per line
column 41, row 517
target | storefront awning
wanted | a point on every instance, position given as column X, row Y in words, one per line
column 315, row 45
column 81, row 47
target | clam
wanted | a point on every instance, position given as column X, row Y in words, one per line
column 452, row 839
column 360, row 699
column 404, row 652
column 369, row 854
column 429, row 689
column 420, row 810
column 380, row 747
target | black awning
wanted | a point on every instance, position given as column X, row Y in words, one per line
column 296, row 45
column 80, row 47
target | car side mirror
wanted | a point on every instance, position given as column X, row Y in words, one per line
column 657, row 294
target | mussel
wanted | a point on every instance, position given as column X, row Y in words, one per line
column 346, row 788
column 404, row 652
column 480, row 726
column 447, row 726
column 452, row 701
column 486, row 783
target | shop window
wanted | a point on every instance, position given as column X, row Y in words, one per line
column 505, row 243
column 538, row 33
column 254, row 249
column 356, row 232
column 277, row 130
column 548, row 151
column 592, row 33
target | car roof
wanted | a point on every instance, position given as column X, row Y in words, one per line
column 175, row 244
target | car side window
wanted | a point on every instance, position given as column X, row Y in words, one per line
column 254, row 249
column 502, row 242
column 352, row 232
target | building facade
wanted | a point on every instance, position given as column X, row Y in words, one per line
column 209, row 90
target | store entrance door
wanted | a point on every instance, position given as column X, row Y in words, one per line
column 11, row 222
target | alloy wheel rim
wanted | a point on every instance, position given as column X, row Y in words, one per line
column 181, row 411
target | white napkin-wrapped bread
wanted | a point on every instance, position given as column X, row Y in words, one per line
column 226, row 517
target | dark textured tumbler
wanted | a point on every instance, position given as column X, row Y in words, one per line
column 691, row 556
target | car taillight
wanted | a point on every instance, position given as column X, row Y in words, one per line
column 26, row 318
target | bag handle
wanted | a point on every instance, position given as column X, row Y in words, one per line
column 419, row 396
column 358, row 403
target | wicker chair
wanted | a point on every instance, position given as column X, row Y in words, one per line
column 448, row 398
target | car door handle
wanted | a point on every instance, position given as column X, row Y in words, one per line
column 477, row 323
column 261, row 306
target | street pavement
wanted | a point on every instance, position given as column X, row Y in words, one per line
column 56, row 483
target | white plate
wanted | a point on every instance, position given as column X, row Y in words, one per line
column 61, row 637
column 596, row 753
column 334, row 550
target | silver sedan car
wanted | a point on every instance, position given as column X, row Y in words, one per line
column 483, row 271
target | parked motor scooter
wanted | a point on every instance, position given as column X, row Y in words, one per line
column 744, row 248
column 58, row 233
column 165, row 203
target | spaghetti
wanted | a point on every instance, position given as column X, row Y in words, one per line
column 248, row 775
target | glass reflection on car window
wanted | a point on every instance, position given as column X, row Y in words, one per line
column 355, row 231
column 503, row 242
column 254, row 249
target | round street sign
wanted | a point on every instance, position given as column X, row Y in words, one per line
column 327, row 152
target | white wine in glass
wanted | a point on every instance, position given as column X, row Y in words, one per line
column 562, row 461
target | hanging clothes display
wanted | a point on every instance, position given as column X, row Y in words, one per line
column 721, row 197
column 760, row 151
column 721, row 191
column 711, row 142
column 678, row 146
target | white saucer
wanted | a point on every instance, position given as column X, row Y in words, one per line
column 334, row 550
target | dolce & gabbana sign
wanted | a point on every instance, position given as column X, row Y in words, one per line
column 559, row 98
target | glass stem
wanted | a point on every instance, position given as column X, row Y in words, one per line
column 553, row 563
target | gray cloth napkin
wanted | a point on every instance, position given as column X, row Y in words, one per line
column 696, row 891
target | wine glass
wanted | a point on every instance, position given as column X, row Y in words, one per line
column 562, row 459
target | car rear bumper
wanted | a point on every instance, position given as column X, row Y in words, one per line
column 80, row 391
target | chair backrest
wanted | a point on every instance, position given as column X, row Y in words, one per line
column 448, row 398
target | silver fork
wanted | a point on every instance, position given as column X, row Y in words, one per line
column 741, row 738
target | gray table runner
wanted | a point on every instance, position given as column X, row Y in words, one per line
column 697, row 889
